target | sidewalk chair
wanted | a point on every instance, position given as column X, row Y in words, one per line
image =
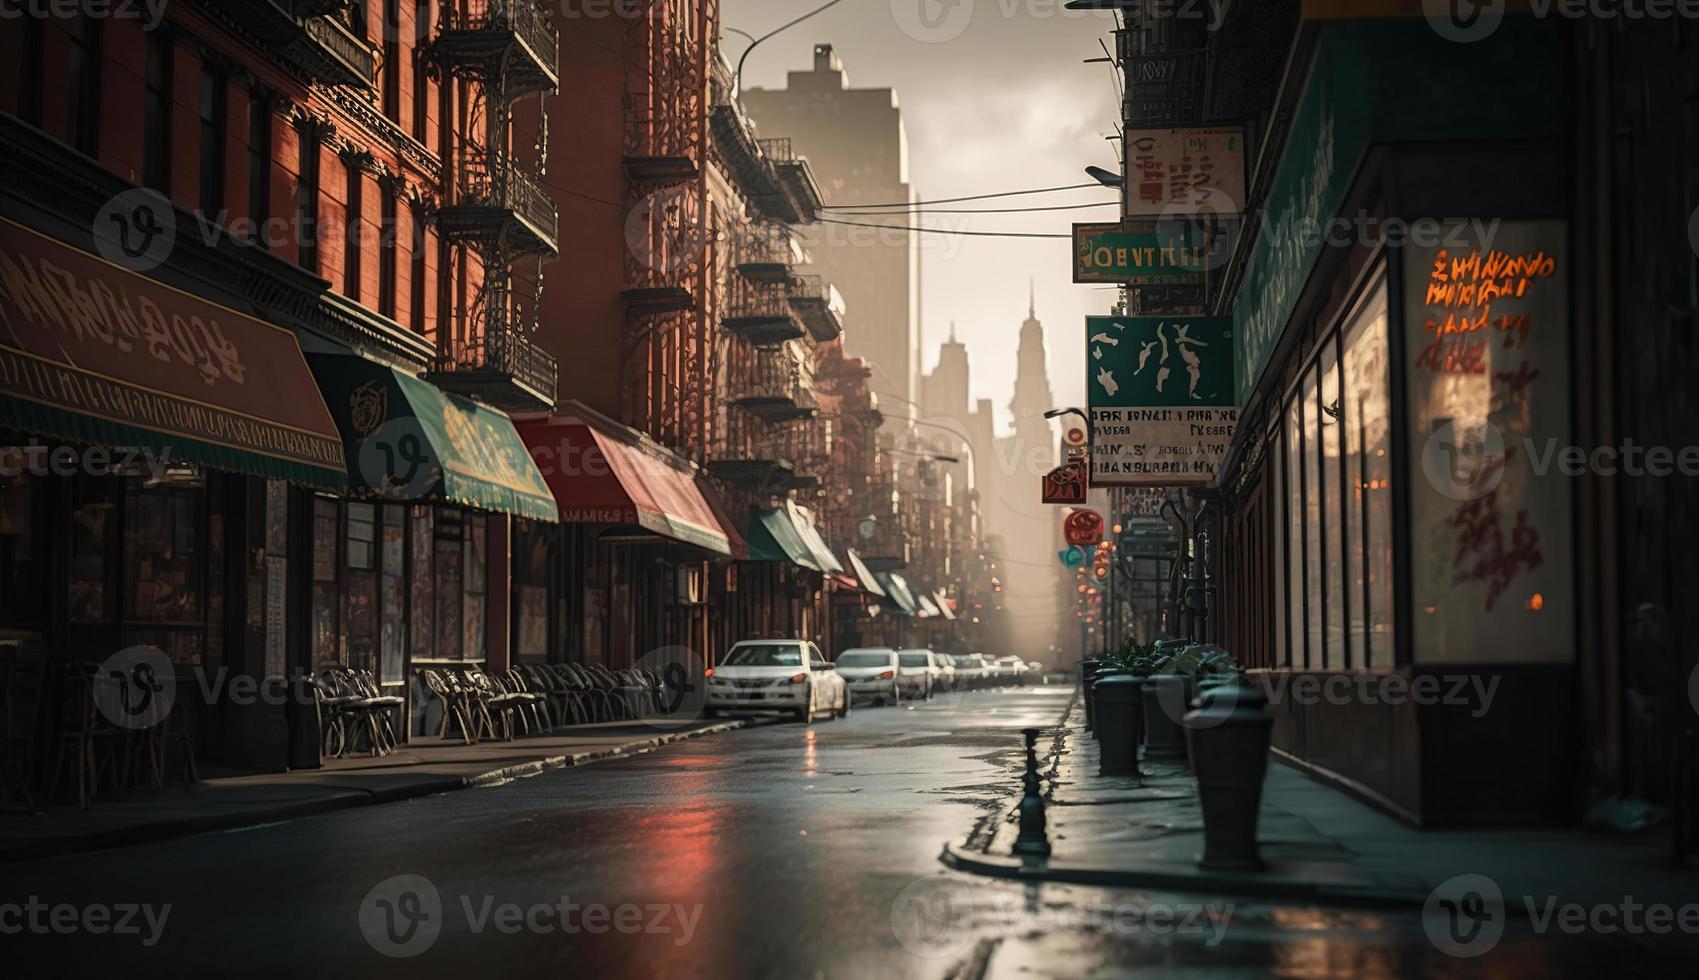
column 20, row 695
column 542, row 704
column 381, row 709
column 496, row 703
column 90, row 743
column 456, row 705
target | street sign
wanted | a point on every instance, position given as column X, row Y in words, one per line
column 1174, row 252
column 1185, row 171
column 1071, row 556
column 1083, row 528
column 1066, row 484
column 1161, row 397
column 1163, row 89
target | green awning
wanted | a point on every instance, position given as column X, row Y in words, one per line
column 869, row 583
column 94, row 353
column 773, row 535
column 407, row 439
column 817, row 546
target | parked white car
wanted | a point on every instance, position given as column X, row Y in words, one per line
column 970, row 671
column 944, row 671
column 916, row 673
column 870, row 673
column 777, row 675
column 1011, row 669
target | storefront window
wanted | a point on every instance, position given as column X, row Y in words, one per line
column 1294, row 582
column 162, row 560
column 23, row 569
column 450, row 560
column 1487, row 349
column 1329, row 438
column 421, row 588
column 1368, row 452
column 392, row 601
column 1315, row 639
column 93, row 503
column 530, row 581
column 477, row 584
column 359, row 592
column 327, row 648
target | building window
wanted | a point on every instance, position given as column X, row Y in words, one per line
column 156, row 113
column 355, row 228
column 1368, row 459
column 421, row 600
column 416, row 288
column 359, row 591
column 23, row 560
column 214, row 129
column 1315, row 639
column 30, row 68
column 386, row 253
column 82, row 83
column 357, row 18
column 450, row 548
column 392, row 59
column 421, row 80
column 307, row 200
column 259, row 163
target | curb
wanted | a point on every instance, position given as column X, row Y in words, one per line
column 958, row 856
column 343, row 799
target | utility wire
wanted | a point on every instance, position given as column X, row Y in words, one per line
column 1053, row 207
column 943, row 231
column 817, row 10
column 958, row 200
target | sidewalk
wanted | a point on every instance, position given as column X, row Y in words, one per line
column 1320, row 845
column 226, row 802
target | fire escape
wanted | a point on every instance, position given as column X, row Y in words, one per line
column 667, row 347
column 311, row 36
column 510, row 50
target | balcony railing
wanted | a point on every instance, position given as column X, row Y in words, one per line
column 751, row 460
column 761, row 313
column 795, row 178
column 496, row 201
column 768, row 252
column 820, row 306
column 308, row 35
column 774, row 386
column 513, row 38
column 501, row 366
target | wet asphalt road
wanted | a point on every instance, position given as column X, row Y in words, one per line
column 778, row 851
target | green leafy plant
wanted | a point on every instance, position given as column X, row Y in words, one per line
column 1197, row 660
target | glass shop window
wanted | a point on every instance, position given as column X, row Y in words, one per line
column 23, row 564
column 450, row 561
column 327, row 646
column 1368, row 457
column 359, row 592
column 421, row 593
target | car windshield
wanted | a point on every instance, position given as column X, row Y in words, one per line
column 864, row 658
column 915, row 659
column 765, row 655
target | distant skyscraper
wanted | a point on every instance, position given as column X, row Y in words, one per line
column 1032, row 396
column 858, row 150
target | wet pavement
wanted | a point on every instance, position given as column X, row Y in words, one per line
column 780, row 851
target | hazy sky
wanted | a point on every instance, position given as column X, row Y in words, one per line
column 996, row 97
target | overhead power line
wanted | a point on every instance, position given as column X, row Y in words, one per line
column 942, row 231
column 1053, row 207
column 957, row 200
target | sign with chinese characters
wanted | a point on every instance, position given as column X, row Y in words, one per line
column 1066, row 484
column 1142, row 252
column 1160, row 392
column 1487, row 348
column 1185, row 171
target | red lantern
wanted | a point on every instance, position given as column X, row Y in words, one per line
column 1083, row 528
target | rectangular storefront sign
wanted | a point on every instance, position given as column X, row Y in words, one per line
column 1161, row 398
column 1185, row 171
column 108, row 355
column 1141, row 252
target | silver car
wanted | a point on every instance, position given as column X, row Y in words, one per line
column 870, row 673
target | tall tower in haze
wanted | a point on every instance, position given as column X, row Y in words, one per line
column 856, row 146
column 1032, row 396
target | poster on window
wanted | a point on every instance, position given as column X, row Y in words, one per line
column 1486, row 334
column 1160, row 393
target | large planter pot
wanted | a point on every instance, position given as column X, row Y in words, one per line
column 1165, row 699
column 1120, row 716
column 1228, row 733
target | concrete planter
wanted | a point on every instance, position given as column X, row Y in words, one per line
column 1228, row 735
column 1165, row 699
column 1120, row 717
column 1089, row 669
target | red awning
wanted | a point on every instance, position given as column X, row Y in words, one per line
column 717, row 504
column 602, row 473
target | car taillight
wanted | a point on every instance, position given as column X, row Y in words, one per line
column 799, row 678
column 710, row 672
column 887, row 675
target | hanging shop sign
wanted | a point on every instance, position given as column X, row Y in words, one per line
column 1067, row 484
column 1168, row 252
column 1071, row 557
column 1083, row 528
column 1185, row 171
column 1162, row 89
column 1160, row 393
